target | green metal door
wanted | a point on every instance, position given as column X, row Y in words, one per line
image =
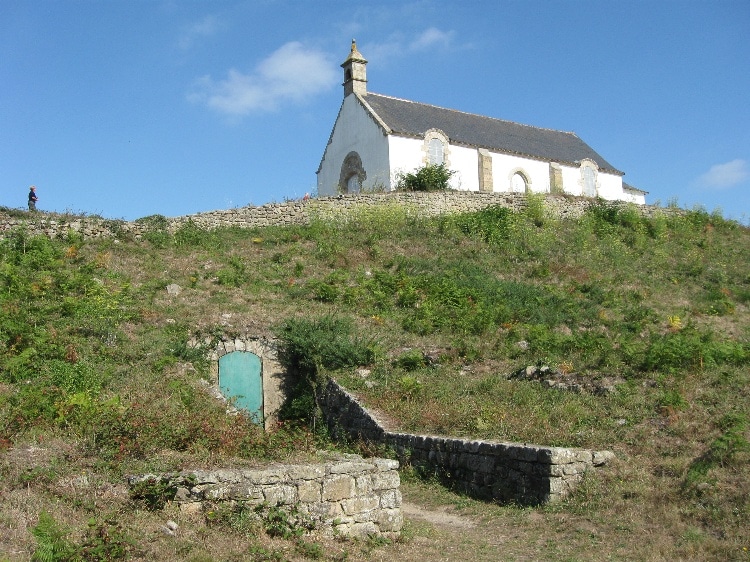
column 240, row 380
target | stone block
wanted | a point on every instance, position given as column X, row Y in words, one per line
column 337, row 488
column 389, row 520
column 351, row 468
column 385, row 480
column 360, row 530
column 575, row 468
column 363, row 484
column 216, row 492
column 360, row 504
column 272, row 476
column 309, row 491
column 305, row 472
column 600, row 458
column 227, row 476
column 390, row 499
column 280, row 494
column 245, row 492
column 386, row 464
column 183, row 495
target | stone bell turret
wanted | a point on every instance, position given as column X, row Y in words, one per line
column 355, row 72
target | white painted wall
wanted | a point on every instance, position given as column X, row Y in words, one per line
column 572, row 180
column 637, row 197
column 355, row 130
column 505, row 165
column 406, row 156
column 609, row 186
column 465, row 162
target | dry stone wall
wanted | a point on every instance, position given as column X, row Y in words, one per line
column 301, row 212
column 504, row 472
column 346, row 496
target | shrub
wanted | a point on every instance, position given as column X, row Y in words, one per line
column 432, row 177
column 493, row 224
column 326, row 342
column 309, row 346
column 153, row 493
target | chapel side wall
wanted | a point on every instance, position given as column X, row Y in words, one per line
column 367, row 136
column 504, row 472
column 609, row 186
column 404, row 153
column 572, row 180
column 505, row 165
column 465, row 162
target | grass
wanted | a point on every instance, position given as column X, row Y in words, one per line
column 97, row 379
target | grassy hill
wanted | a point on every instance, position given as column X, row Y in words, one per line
column 645, row 321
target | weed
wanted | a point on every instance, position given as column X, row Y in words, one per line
column 410, row 386
column 283, row 522
column 311, row 550
column 105, row 541
column 52, row 542
column 262, row 554
column 723, row 449
column 411, row 360
column 153, row 493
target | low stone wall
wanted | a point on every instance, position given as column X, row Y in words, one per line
column 348, row 496
column 503, row 472
column 302, row 212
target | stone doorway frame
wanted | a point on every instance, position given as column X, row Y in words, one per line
column 272, row 375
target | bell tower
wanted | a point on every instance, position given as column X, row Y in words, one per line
column 355, row 72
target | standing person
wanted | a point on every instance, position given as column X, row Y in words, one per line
column 32, row 198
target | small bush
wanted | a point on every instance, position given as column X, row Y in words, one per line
column 411, row 360
column 432, row 177
column 326, row 342
column 153, row 493
column 493, row 224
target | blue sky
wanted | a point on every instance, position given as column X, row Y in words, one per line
column 128, row 108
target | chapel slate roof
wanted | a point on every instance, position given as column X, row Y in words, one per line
column 410, row 118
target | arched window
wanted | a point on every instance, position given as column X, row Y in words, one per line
column 589, row 171
column 436, row 154
column 518, row 183
column 436, row 148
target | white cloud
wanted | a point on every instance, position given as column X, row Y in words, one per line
column 397, row 45
column 432, row 37
column 722, row 176
column 208, row 26
column 292, row 73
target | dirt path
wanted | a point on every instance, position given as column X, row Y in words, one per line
column 439, row 516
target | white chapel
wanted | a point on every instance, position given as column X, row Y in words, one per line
column 376, row 138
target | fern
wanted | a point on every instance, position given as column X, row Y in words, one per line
column 52, row 545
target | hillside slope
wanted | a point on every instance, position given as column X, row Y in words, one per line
column 426, row 319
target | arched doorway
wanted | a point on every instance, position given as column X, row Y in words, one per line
column 241, row 380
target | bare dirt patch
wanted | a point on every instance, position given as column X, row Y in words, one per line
column 441, row 516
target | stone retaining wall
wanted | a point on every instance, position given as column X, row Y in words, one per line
column 504, row 472
column 347, row 496
column 302, row 212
